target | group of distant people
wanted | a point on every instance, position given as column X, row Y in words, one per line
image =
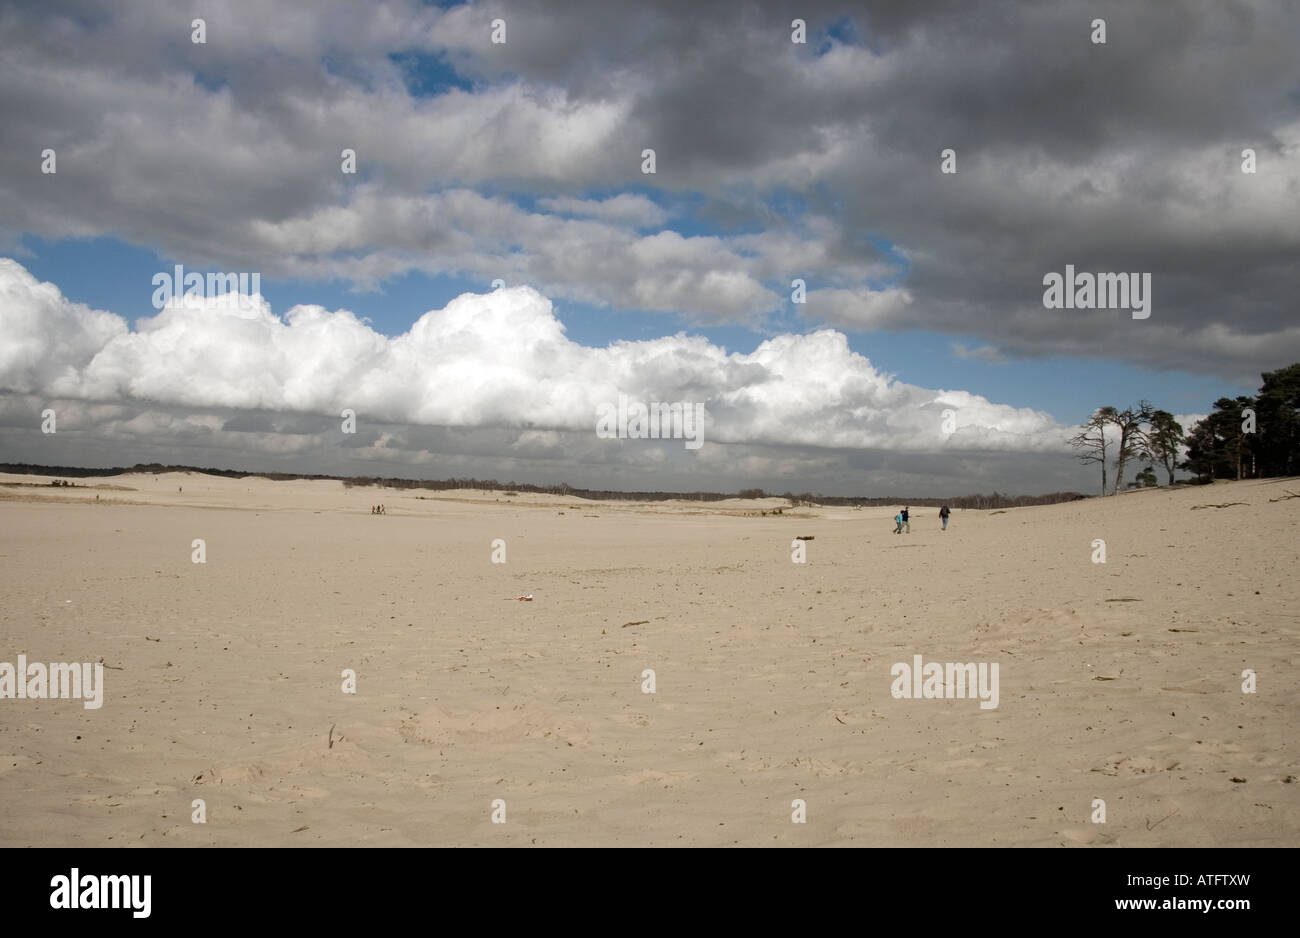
column 377, row 510
column 903, row 524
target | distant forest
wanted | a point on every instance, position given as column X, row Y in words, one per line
column 995, row 500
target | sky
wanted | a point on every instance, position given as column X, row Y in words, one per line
column 449, row 231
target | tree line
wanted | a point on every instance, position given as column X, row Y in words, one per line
column 1243, row 438
column 976, row 501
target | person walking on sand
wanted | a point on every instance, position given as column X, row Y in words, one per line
column 898, row 523
column 907, row 525
column 943, row 516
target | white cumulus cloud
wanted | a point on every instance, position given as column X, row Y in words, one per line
column 499, row 360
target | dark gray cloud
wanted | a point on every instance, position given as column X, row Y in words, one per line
column 1117, row 157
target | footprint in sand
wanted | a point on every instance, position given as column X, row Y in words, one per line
column 825, row 768
column 572, row 733
column 633, row 719
column 438, row 727
column 1130, row 766
column 650, row 776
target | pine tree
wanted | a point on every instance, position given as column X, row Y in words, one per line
column 1164, row 441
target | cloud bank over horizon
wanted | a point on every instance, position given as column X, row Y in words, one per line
column 497, row 361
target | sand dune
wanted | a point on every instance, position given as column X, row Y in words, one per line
column 1119, row 681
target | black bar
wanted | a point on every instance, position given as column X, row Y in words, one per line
column 328, row 887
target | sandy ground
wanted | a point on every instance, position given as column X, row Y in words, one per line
column 1119, row 681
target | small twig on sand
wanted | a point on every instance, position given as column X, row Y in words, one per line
column 332, row 725
column 1289, row 494
column 1224, row 505
column 1151, row 826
